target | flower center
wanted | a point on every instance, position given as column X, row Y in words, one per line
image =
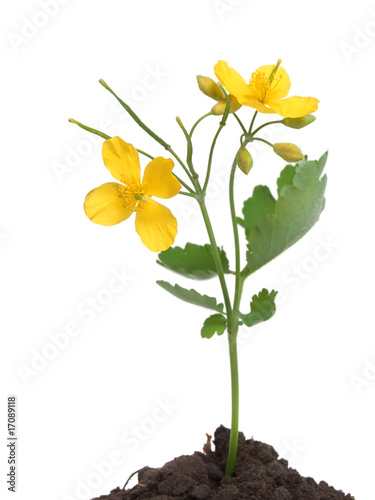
column 264, row 86
column 132, row 194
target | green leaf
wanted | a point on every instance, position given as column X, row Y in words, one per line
column 298, row 207
column 285, row 179
column 191, row 296
column 262, row 308
column 194, row 261
column 216, row 323
column 255, row 208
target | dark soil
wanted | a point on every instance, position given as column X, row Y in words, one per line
column 259, row 475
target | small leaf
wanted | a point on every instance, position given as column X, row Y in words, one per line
column 216, row 323
column 194, row 261
column 191, row 296
column 262, row 308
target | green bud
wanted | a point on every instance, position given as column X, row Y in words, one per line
column 219, row 108
column 288, row 151
column 209, row 87
column 298, row 122
column 244, row 160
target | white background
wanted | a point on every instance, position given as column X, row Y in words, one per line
column 308, row 375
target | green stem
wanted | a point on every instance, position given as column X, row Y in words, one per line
column 198, row 121
column 189, row 155
column 252, row 122
column 215, row 250
column 89, row 129
column 233, row 439
column 240, row 123
column 232, row 331
column 102, row 134
column 221, row 126
column 192, row 195
column 186, row 186
column 237, row 295
column 265, row 125
column 263, row 140
column 134, row 116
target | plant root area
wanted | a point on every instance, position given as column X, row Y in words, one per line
column 259, row 475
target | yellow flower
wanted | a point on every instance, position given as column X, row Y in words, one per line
column 112, row 202
column 266, row 90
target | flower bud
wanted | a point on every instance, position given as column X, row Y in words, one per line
column 244, row 160
column 209, row 87
column 298, row 122
column 288, row 151
column 219, row 108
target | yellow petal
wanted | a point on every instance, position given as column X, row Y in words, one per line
column 232, row 81
column 158, row 179
column 156, row 225
column 280, row 85
column 105, row 205
column 254, row 103
column 121, row 159
column 294, row 107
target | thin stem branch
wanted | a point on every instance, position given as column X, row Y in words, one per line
column 238, row 287
column 265, row 125
column 102, row 134
column 145, row 154
column 221, row 126
column 134, row 116
column 240, row 122
column 89, row 129
column 186, row 186
column 189, row 155
column 215, row 250
column 263, row 140
column 198, row 121
column 192, row 195
column 252, row 122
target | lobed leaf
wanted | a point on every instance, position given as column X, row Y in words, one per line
column 191, row 296
column 255, row 208
column 262, row 308
column 277, row 226
column 216, row 323
column 193, row 261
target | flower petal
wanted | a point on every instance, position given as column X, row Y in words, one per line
column 294, row 107
column 232, row 81
column 122, row 160
column 280, row 84
column 156, row 225
column 158, row 179
column 105, row 205
column 259, row 106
